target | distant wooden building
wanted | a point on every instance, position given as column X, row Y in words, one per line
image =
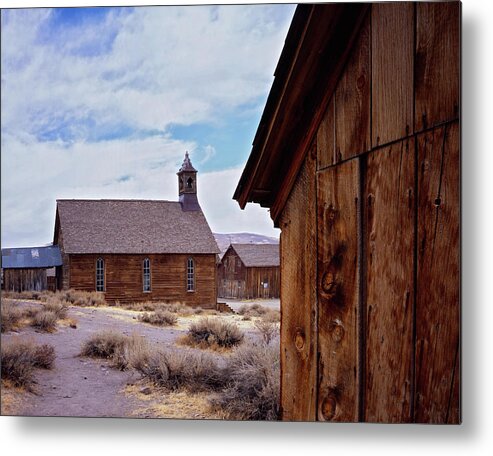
column 357, row 157
column 25, row 269
column 249, row 271
column 139, row 250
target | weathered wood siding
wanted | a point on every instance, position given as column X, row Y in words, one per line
column 24, row 279
column 124, row 278
column 299, row 299
column 235, row 280
column 256, row 277
column 231, row 276
column 370, row 267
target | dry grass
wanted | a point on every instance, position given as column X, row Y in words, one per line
column 253, row 388
column 113, row 346
column 257, row 310
column 45, row 320
column 179, row 404
column 181, row 310
column 13, row 398
column 28, row 295
column 11, row 316
column 81, row 298
column 19, row 359
column 159, row 317
column 56, row 306
column 213, row 333
column 43, row 317
column 178, row 369
column 267, row 330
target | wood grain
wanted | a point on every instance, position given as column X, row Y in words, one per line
column 437, row 79
column 337, row 279
column 392, row 61
column 438, row 292
column 389, row 246
column 352, row 100
column 123, row 275
column 326, row 138
column 299, row 299
column 28, row 279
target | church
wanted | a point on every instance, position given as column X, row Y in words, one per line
column 139, row 250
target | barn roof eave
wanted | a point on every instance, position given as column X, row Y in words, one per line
column 304, row 81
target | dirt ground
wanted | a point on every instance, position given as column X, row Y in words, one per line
column 80, row 386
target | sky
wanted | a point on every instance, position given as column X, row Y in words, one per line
column 104, row 102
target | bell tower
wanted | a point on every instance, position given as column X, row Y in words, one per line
column 187, row 186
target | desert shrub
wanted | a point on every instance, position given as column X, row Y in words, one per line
column 267, row 330
column 252, row 310
column 82, row 298
column 179, row 369
column 27, row 295
column 213, row 332
column 113, row 346
column 272, row 316
column 43, row 356
column 19, row 359
column 11, row 314
column 104, row 344
column 253, row 388
column 159, row 317
column 44, row 320
column 56, row 306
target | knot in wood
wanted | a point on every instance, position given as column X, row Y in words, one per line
column 328, row 284
column 299, row 339
column 337, row 330
column 328, row 408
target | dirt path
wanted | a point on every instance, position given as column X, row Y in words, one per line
column 80, row 386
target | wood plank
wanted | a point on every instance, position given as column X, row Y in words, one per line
column 124, row 282
column 352, row 100
column 338, row 315
column 299, row 299
column 437, row 64
column 389, row 252
column 438, row 293
column 326, row 138
column 392, row 61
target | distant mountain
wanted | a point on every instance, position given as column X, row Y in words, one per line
column 224, row 239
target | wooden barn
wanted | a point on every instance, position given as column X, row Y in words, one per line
column 249, row 271
column 25, row 269
column 357, row 155
column 139, row 250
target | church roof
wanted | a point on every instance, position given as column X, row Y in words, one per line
column 132, row 227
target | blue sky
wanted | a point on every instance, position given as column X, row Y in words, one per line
column 103, row 103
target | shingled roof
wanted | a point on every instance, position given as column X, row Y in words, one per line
column 132, row 226
column 258, row 255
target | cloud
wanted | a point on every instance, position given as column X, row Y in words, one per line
column 89, row 102
column 209, row 152
column 160, row 66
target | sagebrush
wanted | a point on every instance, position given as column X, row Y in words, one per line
column 19, row 359
column 214, row 333
column 159, row 317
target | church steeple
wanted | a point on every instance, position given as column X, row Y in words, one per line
column 187, row 185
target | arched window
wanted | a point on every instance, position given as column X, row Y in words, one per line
column 99, row 274
column 190, row 275
column 146, row 275
column 189, row 182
